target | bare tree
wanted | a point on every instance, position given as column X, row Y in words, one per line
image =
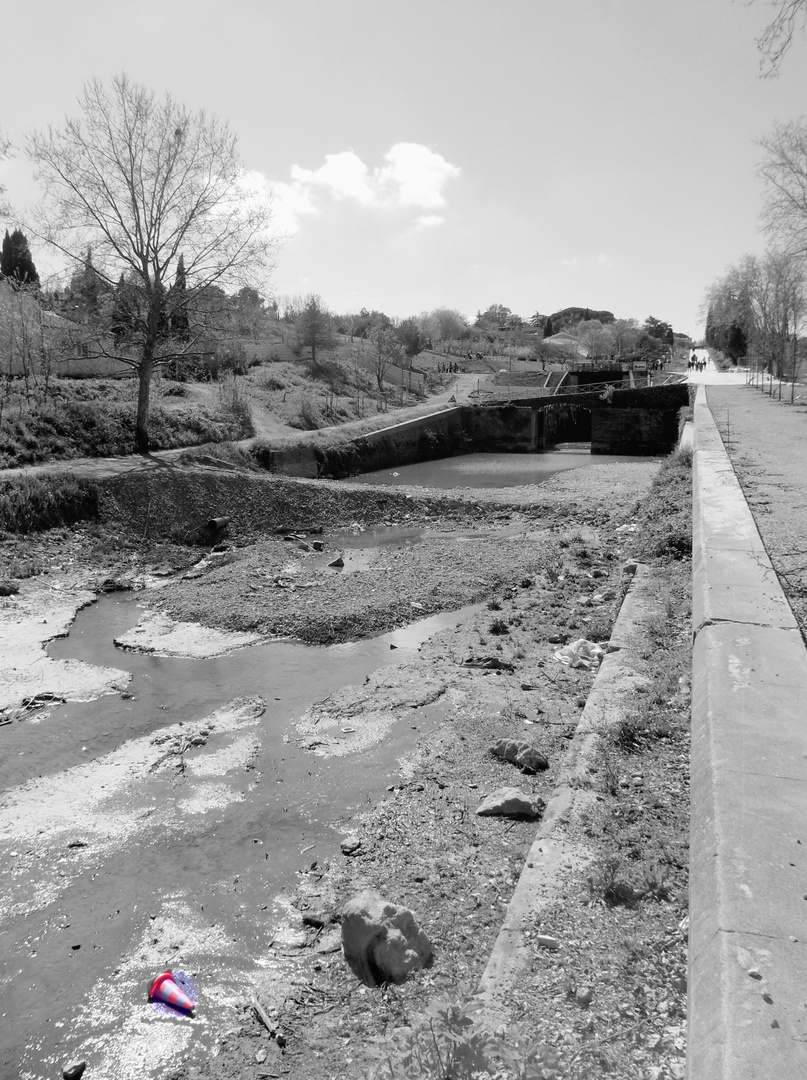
column 785, row 174
column 778, row 35
column 387, row 350
column 143, row 182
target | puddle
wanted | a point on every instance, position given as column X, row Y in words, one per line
column 493, row 470
column 217, row 839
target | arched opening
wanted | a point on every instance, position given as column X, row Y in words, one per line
column 565, row 422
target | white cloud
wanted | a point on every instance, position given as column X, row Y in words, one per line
column 412, row 175
column 429, row 221
column 416, row 175
column 344, row 175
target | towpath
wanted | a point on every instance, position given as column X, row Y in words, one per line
column 767, row 442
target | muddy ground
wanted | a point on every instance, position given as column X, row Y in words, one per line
column 544, row 567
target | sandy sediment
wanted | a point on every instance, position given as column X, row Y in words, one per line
column 40, row 612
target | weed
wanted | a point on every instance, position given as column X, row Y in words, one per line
column 605, row 883
column 610, row 774
column 30, row 504
column 494, row 605
column 499, row 627
column 235, row 406
column 448, row 1043
column 267, row 381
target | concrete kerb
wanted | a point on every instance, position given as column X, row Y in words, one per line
column 748, row 847
column 558, row 854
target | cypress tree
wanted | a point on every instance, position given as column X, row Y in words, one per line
column 180, row 326
column 16, row 263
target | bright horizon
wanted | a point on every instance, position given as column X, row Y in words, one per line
column 595, row 153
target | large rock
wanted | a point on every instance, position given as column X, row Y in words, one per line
column 510, row 802
column 381, row 941
column 524, row 754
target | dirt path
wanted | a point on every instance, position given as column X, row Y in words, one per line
column 267, row 428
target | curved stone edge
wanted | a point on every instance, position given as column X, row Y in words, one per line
column 557, row 853
column 747, row 1008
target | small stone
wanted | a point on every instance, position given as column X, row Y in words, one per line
column 338, row 561
column 261, row 1056
column 584, row 996
column 774, row 1023
column 351, row 845
column 754, row 973
column 74, row 1069
column 510, row 802
column 544, row 940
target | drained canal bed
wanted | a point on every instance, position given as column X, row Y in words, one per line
column 159, row 827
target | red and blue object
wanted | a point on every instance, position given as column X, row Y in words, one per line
column 174, row 993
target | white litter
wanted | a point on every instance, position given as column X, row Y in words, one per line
column 581, row 653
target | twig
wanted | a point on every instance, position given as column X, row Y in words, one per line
column 259, row 1009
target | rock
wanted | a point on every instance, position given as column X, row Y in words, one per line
column 74, row 1069
column 338, row 561
column 510, row 802
column 318, row 545
column 584, row 996
column 330, row 942
column 351, row 845
column 523, row 754
column 630, row 567
column 381, row 941
column 8, row 587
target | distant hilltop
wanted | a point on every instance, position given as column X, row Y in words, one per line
column 571, row 316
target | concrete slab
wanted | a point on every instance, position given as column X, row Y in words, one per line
column 748, row 1009
column 732, row 585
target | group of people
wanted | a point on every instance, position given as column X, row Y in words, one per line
column 695, row 363
column 451, row 369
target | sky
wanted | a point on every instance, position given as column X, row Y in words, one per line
column 452, row 153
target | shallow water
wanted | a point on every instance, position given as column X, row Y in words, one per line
column 492, row 470
column 277, row 815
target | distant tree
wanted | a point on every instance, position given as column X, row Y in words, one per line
column 548, row 328
column 314, row 324
column 88, row 289
column 590, row 334
column 178, row 304
column 141, row 180
column 624, row 334
column 659, row 330
column 370, row 320
column 124, row 311
column 387, row 350
column 410, row 336
column 16, row 264
column 495, row 316
column 250, row 313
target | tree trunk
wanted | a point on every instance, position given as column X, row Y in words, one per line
column 145, row 372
